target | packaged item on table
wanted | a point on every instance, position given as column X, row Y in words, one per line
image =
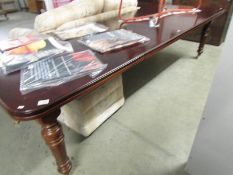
column 20, row 57
column 59, row 69
column 108, row 41
column 11, row 44
column 80, row 31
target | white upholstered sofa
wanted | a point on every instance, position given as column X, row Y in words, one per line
column 77, row 13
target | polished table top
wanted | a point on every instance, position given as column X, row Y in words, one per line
column 171, row 29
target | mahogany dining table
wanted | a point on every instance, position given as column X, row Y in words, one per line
column 27, row 107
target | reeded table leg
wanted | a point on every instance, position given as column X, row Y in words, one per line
column 204, row 36
column 54, row 138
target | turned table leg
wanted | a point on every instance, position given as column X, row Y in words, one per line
column 204, row 36
column 54, row 138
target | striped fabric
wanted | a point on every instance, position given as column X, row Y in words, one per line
column 80, row 10
column 58, row 3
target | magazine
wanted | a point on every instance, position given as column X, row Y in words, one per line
column 20, row 57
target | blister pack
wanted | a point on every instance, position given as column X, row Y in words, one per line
column 60, row 69
column 20, row 57
column 112, row 40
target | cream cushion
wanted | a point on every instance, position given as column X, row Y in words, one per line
column 114, row 4
column 96, row 18
column 20, row 32
column 52, row 19
column 86, row 114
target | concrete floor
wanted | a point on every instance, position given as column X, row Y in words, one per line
column 20, row 19
column 151, row 134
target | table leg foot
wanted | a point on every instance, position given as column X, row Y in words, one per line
column 54, row 138
column 6, row 16
column 204, row 36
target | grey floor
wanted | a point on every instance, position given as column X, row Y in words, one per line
column 151, row 134
column 20, row 19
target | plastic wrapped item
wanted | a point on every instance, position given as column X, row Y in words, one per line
column 59, row 69
column 20, row 57
column 108, row 41
column 80, row 31
column 11, row 44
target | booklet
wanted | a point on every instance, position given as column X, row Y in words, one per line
column 20, row 57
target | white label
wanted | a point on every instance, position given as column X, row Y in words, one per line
column 43, row 102
column 20, row 107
